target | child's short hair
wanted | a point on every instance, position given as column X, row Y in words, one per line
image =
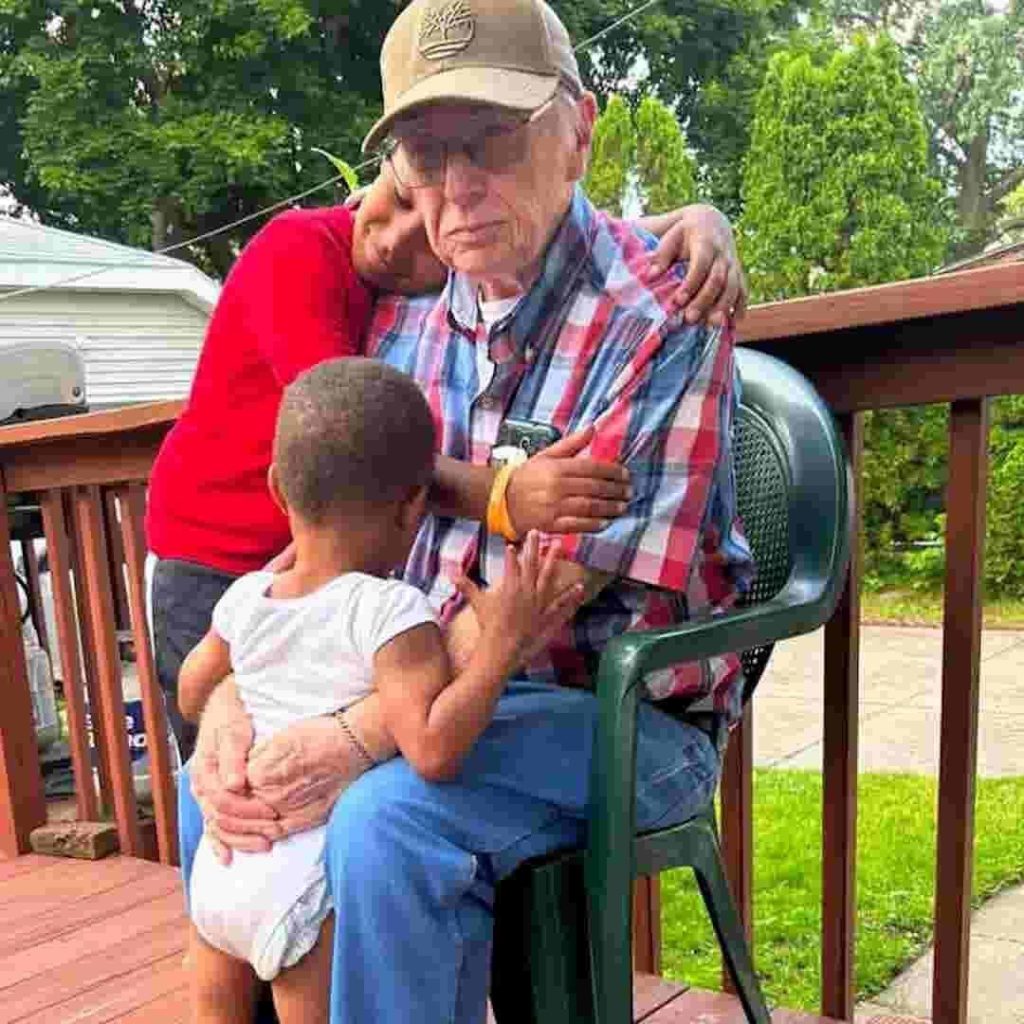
column 351, row 431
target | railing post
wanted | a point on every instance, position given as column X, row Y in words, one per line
column 22, row 804
column 961, row 654
column 737, row 821
column 647, row 924
column 839, row 790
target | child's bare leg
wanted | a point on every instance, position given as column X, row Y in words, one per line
column 223, row 989
column 302, row 993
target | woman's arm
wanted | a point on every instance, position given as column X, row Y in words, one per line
column 715, row 287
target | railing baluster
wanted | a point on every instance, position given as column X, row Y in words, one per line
column 116, row 560
column 22, row 806
column 35, row 592
column 961, row 655
column 737, row 817
column 59, row 556
column 109, row 715
column 132, row 501
column 839, row 789
column 88, row 653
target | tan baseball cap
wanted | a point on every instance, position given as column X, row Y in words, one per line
column 508, row 53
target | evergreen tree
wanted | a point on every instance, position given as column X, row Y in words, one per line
column 835, row 185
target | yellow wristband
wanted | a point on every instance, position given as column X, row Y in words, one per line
column 498, row 519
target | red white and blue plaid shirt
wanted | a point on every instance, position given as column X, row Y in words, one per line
column 591, row 343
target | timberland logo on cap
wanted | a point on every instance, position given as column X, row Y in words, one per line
column 447, row 30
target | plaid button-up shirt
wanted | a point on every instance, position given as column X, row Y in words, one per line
column 591, row 343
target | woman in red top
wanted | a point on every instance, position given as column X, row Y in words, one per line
column 302, row 292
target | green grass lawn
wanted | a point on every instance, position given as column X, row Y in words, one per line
column 895, row 881
column 924, row 608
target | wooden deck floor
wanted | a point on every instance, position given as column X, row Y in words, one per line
column 101, row 942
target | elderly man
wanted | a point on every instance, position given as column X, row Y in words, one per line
column 544, row 326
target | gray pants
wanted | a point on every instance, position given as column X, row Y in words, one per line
column 181, row 599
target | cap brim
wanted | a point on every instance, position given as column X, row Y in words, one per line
column 520, row 91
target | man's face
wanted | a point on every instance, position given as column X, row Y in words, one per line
column 389, row 245
column 492, row 222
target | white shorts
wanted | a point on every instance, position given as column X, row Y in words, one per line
column 266, row 908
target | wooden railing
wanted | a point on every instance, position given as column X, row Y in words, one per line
column 86, row 477
column 956, row 339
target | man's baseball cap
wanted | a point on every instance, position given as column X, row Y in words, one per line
column 507, row 53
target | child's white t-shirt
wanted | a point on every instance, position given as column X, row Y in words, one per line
column 299, row 657
column 293, row 658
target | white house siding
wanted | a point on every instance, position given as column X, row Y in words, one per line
column 137, row 346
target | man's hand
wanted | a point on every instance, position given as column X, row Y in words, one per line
column 715, row 287
column 232, row 817
column 560, row 491
column 301, row 771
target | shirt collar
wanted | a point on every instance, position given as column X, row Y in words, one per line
column 568, row 250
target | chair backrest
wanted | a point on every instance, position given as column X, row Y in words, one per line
column 792, row 489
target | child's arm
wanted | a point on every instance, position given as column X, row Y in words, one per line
column 435, row 723
column 203, row 668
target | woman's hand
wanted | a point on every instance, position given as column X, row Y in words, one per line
column 232, row 817
column 560, row 491
column 301, row 771
column 715, row 287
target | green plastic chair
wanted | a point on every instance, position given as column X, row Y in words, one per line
column 562, row 944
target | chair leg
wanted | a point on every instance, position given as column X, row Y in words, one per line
column 540, row 971
column 714, row 887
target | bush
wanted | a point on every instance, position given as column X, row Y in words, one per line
column 905, row 467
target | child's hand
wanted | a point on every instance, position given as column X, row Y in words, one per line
column 559, row 490
column 530, row 604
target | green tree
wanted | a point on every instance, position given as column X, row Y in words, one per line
column 639, row 157
column 967, row 60
column 835, row 184
column 665, row 170
column 612, row 156
column 149, row 121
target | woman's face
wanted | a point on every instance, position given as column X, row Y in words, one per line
column 389, row 247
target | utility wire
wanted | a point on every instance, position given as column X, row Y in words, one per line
column 30, row 289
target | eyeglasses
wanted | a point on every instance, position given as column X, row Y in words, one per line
column 419, row 161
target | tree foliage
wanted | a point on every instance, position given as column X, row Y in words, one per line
column 966, row 58
column 640, row 158
column 612, row 156
column 835, row 184
column 665, row 170
column 148, row 121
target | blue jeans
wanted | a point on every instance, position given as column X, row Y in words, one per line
column 412, row 865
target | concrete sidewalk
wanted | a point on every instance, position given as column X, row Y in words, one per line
column 900, row 702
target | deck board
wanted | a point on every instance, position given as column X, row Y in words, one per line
column 94, row 942
column 102, row 942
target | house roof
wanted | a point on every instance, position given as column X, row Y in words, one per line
column 34, row 256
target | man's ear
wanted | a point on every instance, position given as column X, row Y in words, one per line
column 586, row 116
column 274, row 486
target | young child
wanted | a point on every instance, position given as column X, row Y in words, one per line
column 353, row 456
